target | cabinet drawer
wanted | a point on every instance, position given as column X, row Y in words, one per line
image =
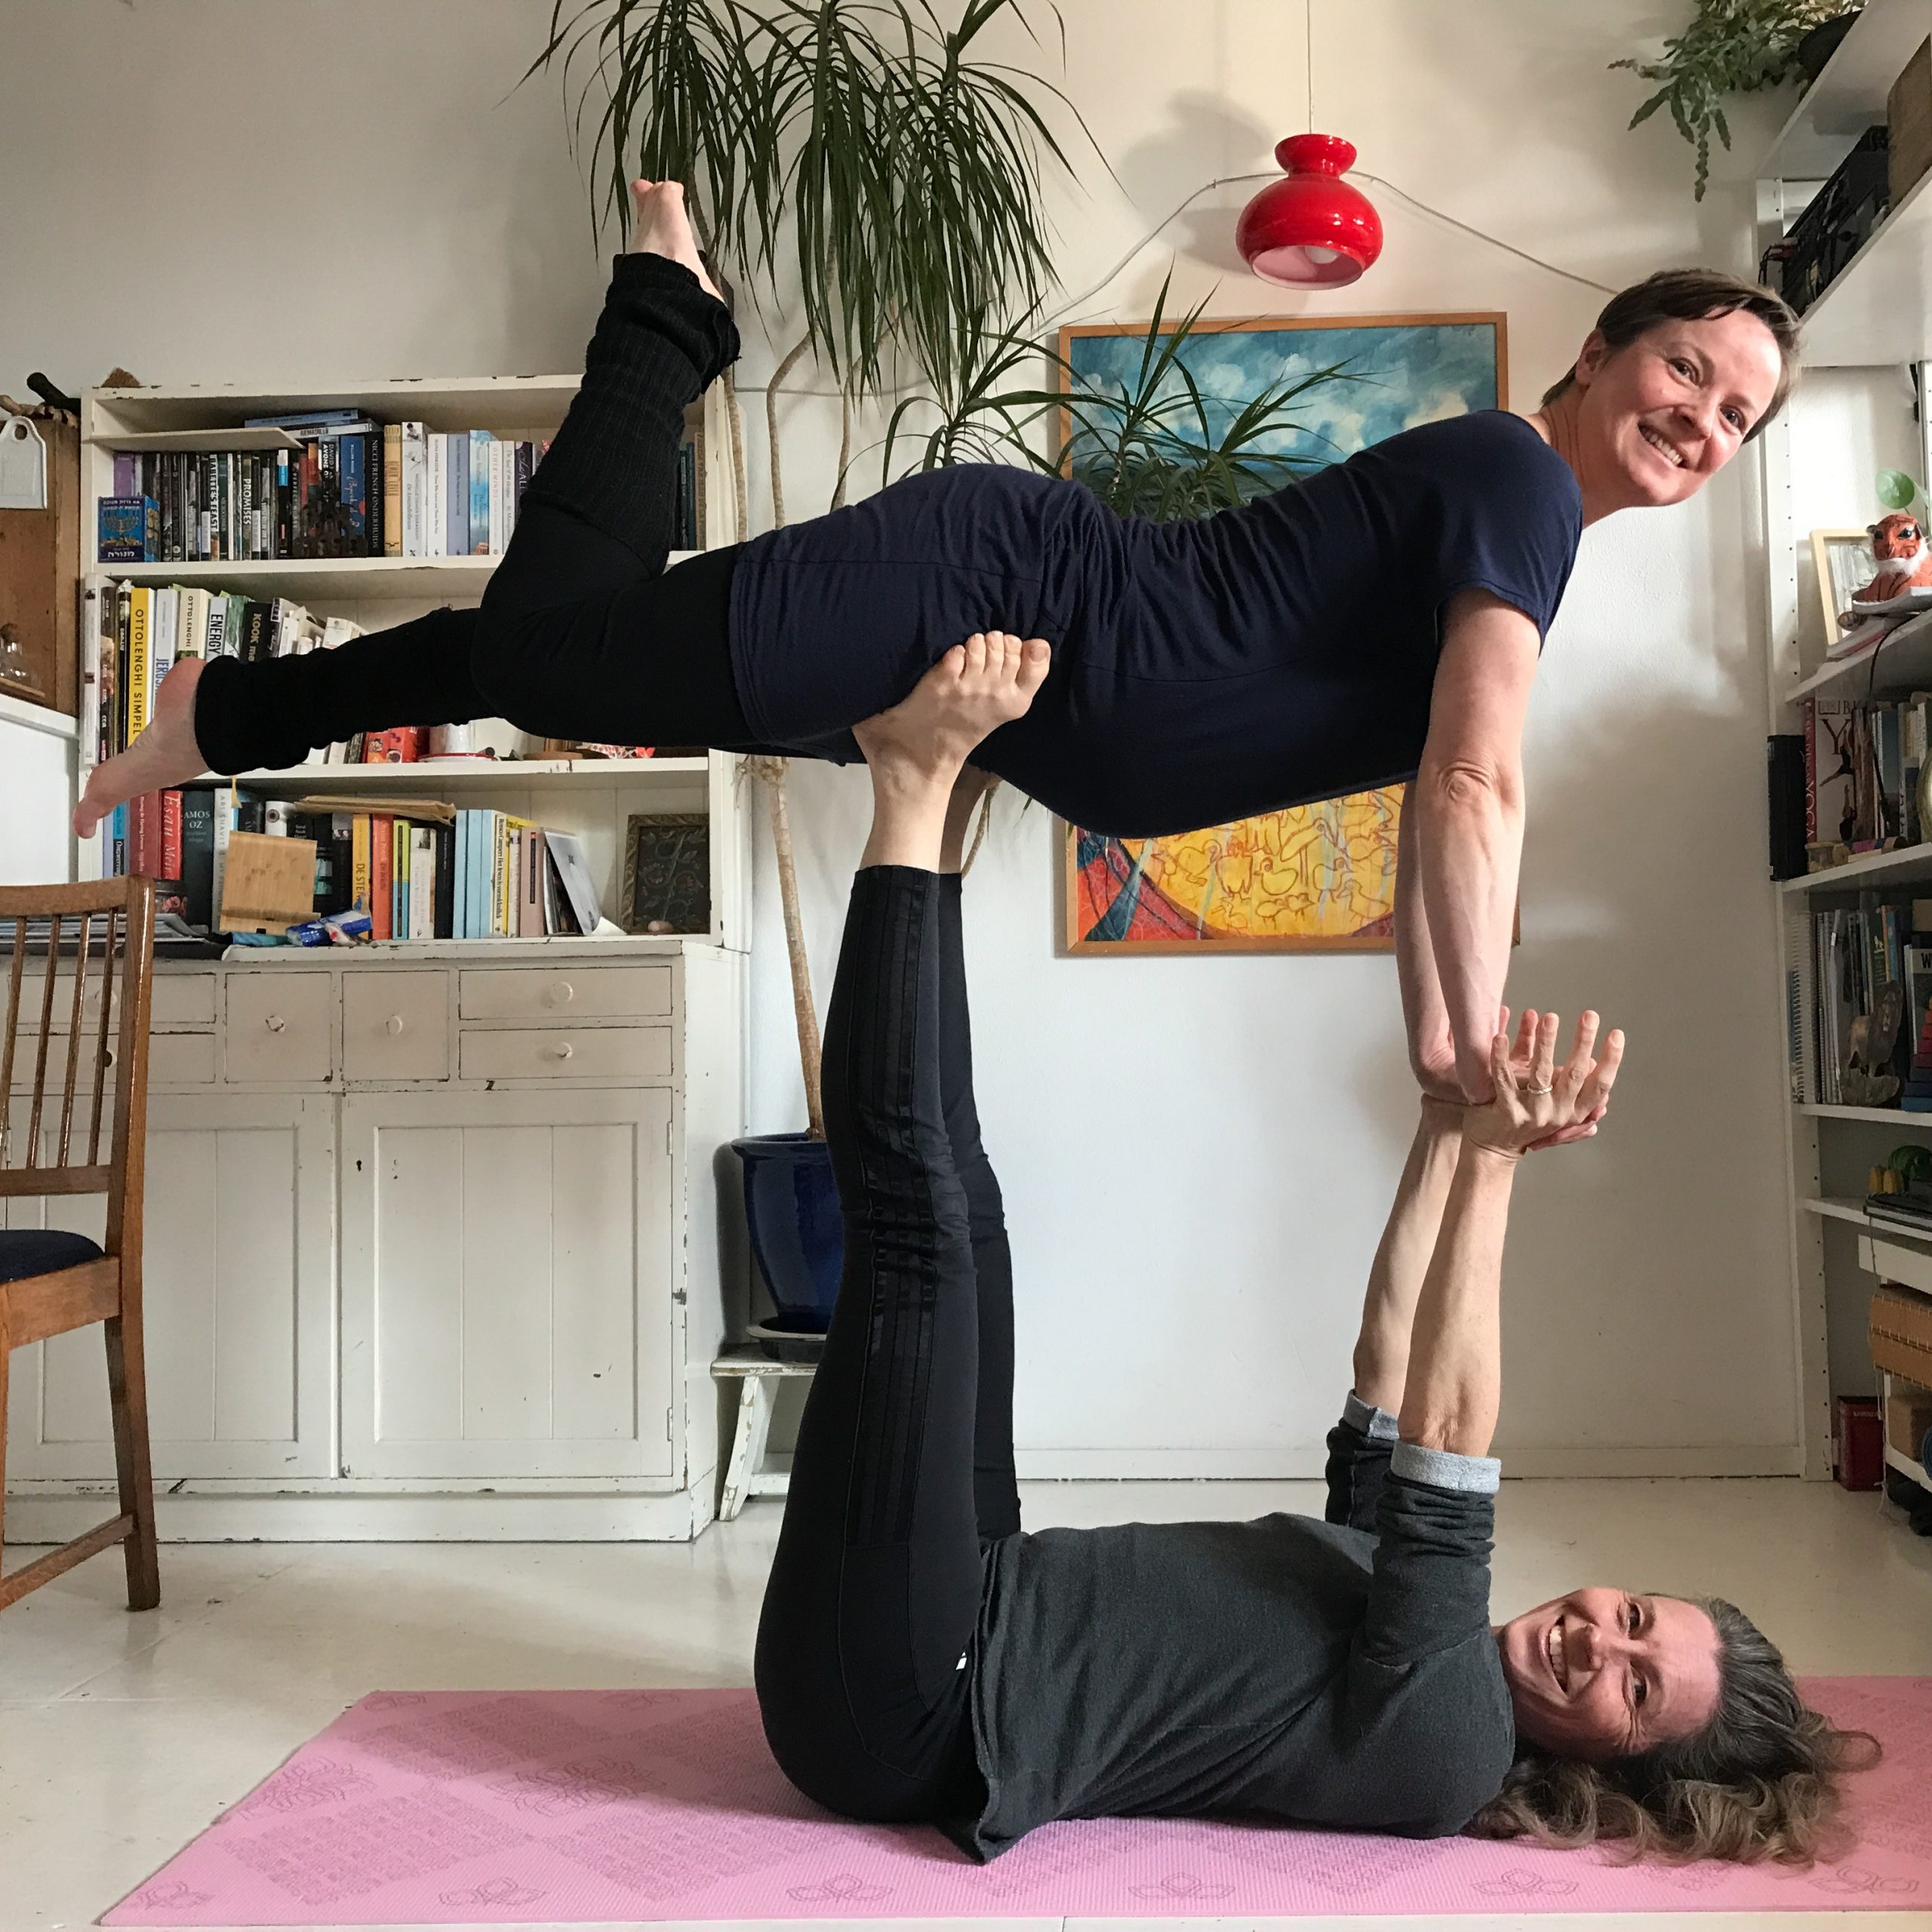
column 182, row 999
column 594, row 992
column 174, row 1000
column 278, row 1027
column 395, row 1025
column 557, row 1052
column 174, row 1059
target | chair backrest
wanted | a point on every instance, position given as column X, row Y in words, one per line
column 78, row 962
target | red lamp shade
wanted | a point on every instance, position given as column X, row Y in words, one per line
column 1312, row 230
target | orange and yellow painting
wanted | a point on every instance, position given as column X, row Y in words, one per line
column 1317, row 877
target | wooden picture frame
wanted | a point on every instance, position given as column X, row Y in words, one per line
column 667, row 873
column 1224, row 889
column 1842, row 562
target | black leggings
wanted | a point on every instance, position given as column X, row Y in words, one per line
column 582, row 633
column 903, row 1470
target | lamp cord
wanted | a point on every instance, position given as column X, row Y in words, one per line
column 1357, row 173
column 1236, row 180
column 1308, row 56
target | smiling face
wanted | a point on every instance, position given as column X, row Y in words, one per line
column 1657, row 418
column 1603, row 1673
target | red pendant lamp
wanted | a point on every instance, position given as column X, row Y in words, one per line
column 1311, row 229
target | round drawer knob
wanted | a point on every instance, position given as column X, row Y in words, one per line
column 274, row 1022
column 562, row 992
column 563, row 1050
column 392, row 1026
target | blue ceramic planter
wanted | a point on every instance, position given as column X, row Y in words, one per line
column 791, row 1205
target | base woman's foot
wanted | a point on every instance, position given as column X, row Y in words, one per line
column 164, row 754
column 974, row 689
column 916, row 750
column 660, row 226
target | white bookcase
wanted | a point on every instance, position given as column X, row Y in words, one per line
column 1871, row 325
column 441, row 1237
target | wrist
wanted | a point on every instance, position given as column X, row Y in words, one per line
column 1486, row 1157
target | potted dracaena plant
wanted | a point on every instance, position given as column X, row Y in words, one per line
column 900, row 182
column 862, row 150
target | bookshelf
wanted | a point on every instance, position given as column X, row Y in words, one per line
column 1875, row 316
column 441, row 1243
column 592, row 797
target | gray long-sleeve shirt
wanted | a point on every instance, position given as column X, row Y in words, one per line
column 1327, row 1674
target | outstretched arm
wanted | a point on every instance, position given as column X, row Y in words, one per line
column 1468, row 802
column 1401, row 1258
column 1455, row 1382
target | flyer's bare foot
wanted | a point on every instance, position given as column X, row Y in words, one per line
column 660, row 226
column 975, row 688
column 164, row 754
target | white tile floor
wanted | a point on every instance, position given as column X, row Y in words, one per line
column 122, row 1736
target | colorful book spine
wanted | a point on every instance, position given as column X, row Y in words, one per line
column 478, row 545
column 458, row 517
column 139, row 666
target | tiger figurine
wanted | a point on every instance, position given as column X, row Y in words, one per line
column 1904, row 562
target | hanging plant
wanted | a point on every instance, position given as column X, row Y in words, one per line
column 1729, row 47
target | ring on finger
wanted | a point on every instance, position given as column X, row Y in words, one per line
column 1550, row 1089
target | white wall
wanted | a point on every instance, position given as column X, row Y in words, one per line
column 1196, row 1154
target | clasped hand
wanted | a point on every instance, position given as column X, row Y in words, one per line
column 1535, row 1103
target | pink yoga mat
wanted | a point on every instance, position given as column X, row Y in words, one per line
column 437, row 1807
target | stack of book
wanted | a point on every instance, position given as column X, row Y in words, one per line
column 1862, row 768
column 132, row 634
column 421, row 870
column 1857, row 951
column 354, row 488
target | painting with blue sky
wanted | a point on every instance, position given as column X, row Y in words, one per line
column 1317, row 877
column 1399, row 373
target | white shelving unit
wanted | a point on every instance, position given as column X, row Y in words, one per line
column 1876, row 318
column 439, row 1241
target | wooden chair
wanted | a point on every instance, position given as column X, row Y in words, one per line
column 51, row 1281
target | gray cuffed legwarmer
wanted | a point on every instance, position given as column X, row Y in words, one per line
column 660, row 343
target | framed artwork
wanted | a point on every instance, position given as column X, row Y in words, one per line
column 1842, row 561
column 1314, row 878
column 667, row 873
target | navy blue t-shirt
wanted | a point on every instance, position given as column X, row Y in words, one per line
column 1203, row 671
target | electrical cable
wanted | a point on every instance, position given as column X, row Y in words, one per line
column 1067, row 309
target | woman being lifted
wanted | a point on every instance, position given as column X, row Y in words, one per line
column 1379, row 622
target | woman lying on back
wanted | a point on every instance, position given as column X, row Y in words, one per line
column 920, row 1658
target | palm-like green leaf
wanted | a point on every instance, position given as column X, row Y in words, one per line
column 910, row 172
column 1146, row 448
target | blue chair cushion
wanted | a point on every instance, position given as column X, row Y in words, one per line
column 27, row 1251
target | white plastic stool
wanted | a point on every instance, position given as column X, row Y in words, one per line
column 747, row 1475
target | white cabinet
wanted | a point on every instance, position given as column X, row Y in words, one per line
column 506, row 1262
column 238, row 1275
column 446, row 1252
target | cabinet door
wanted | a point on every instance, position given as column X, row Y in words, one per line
column 239, row 1260
column 507, row 1303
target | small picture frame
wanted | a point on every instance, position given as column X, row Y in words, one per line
column 1843, row 562
column 667, row 873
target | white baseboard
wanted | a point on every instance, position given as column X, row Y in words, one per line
column 496, row 1518
column 1305, row 1464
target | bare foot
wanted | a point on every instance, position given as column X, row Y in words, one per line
column 974, row 689
column 660, row 226
column 164, row 754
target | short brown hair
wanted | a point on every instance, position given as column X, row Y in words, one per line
column 1696, row 295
